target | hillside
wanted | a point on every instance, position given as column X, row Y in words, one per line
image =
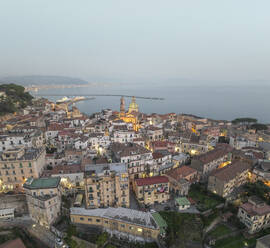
column 42, row 80
column 13, row 98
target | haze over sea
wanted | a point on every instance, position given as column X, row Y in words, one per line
column 222, row 100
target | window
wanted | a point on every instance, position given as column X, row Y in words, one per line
column 122, row 225
column 139, row 229
column 22, row 171
column 97, row 220
column 81, row 218
column 21, row 165
column 106, row 222
column 89, row 219
column 30, row 165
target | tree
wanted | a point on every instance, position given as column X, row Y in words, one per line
column 259, row 126
column 245, row 121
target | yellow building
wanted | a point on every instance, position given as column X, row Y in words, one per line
column 123, row 222
column 43, row 199
column 18, row 164
column 106, row 185
column 132, row 115
column 151, row 190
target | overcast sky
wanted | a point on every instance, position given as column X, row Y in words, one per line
column 129, row 39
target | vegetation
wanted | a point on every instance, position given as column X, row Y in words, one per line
column 16, row 232
column 219, row 231
column 237, row 241
column 102, row 239
column 182, row 228
column 13, row 98
column 246, row 120
column 259, row 189
column 205, row 199
column 259, row 126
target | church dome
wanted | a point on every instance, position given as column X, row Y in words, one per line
column 133, row 106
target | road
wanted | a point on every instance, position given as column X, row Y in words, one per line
column 39, row 232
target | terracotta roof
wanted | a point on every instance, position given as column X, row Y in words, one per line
column 220, row 151
column 181, row 172
column 255, row 210
column 151, row 180
column 157, row 155
column 229, row 172
column 16, row 243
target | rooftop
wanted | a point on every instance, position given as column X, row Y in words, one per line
column 181, row 172
column 151, row 180
column 42, row 183
column 122, row 214
column 182, row 201
column 265, row 240
column 229, row 172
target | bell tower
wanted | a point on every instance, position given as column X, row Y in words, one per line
column 122, row 105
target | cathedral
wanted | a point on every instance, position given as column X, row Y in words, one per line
column 131, row 116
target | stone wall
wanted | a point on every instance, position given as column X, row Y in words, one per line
column 17, row 201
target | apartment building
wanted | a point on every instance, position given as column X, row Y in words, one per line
column 122, row 222
column 225, row 180
column 43, row 197
column 207, row 162
column 137, row 158
column 18, row 164
column 181, row 178
column 106, row 185
column 152, row 190
column 255, row 214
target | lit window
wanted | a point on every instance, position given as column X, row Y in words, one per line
column 139, row 229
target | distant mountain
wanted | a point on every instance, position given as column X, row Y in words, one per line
column 42, row 80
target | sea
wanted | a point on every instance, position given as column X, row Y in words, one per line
column 215, row 100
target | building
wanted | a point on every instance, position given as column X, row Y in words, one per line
column 152, row 190
column 137, row 158
column 261, row 172
column 43, row 198
column 263, row 242
column 207, row 162
column 106, row 185
column 225, row 180
column 7, row 213
column 182, row 203
column 123, row 222
column 181, row 178
column 255, row 214
column 18, row 164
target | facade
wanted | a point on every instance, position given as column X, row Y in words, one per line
column 152, row 190
column 123, row 222
column 43, row 199
column 255, row 214
column 263, row 242
column 106, row 185
column 7, row 213
column 181, row 178
column 225, row 180
column 18, row 164
column 207, row 162
column 137, row 158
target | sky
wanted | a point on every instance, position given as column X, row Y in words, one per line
column 127, row 40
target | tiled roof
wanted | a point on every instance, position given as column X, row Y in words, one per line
column 220, row 151
column 151, row 180
column 255, row 210
column 181, row 172
column 229, row 172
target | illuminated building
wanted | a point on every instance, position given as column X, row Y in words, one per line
column 106, row 185
column 43, row 199
column 225, row 180
column 18, row 164
column 132, row 115
column 124, row 222
column 151, row 190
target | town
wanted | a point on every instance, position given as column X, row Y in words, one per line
column 122, row 178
